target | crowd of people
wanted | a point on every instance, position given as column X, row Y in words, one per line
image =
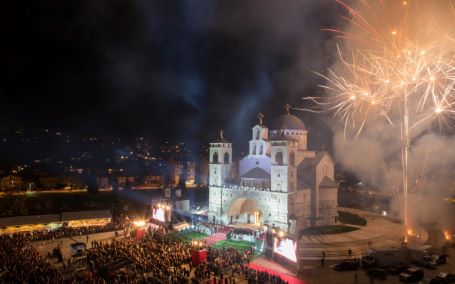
column 21, row 263
column 156, row 258
column 228, row 265
column 228, row 258
column 65, row 232
column 255, row 277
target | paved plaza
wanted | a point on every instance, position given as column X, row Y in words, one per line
column 317, row 274
column 380, row 232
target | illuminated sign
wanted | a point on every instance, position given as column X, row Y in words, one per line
column 158, row 214
column 285, row 247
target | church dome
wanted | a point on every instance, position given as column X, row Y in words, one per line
column 288, row 121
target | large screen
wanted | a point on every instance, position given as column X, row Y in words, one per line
column 158, row 214
column 285, row 247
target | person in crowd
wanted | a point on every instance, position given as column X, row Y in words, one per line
column 156, row 258
column 21, row 263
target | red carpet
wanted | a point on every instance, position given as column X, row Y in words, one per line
column 288, row 278
column 210, row 240
column 225, row 230
column 221, row 235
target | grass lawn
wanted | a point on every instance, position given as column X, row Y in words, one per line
column 187, row 236
column 238, row 245
column 350, row 218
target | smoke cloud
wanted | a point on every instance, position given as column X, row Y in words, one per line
column 376, row 154
column 219, row 63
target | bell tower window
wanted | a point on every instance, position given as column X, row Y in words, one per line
column 226, row 158
column 279, row 158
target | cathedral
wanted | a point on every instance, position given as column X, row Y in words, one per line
column 280, row 183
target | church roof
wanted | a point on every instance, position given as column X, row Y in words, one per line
column 320, row 155
column 307, row 173
column 302, row 183
column 327, row 182
column 281, row 137
column 288, row 121
column 261, row 126
column 257, row 173
column 220, row 140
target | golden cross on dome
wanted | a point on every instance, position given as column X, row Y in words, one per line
column 221, row 134
column 287, row 108
column 260, row 117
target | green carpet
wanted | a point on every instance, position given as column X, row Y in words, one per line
column 238, row 245
column 187, row 236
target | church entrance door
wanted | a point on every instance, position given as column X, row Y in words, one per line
column 244, row 211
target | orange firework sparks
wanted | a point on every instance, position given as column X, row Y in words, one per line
column 397, row 64
column 410, row 232
column 447, row 235
column 393, row 52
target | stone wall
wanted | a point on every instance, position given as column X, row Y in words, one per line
column 272, row 205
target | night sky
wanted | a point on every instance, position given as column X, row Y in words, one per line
column 177, row 70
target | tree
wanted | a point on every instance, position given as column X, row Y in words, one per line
column 127, row 186
column 114, row 183
column 183, row 176
column 91, row 183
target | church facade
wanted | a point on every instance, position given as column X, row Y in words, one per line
column 280, row 183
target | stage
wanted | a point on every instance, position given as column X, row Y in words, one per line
column 256, row 227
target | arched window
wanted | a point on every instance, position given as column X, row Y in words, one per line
column 226, row 158
column 257, row 135
column 261, row 152
column 254, row 150
column 215, row 158
column 279, row 158
column 292, row 159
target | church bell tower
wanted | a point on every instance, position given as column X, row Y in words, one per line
column 220, row 160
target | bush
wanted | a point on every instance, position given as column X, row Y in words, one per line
column 350, row 218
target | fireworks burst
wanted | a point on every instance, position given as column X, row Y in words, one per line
column 447, row 235
column 397, row 64
column 373, row 85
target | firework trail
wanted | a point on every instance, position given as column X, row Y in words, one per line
column 397, row 64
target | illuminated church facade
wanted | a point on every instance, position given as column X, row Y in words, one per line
column 280, row 183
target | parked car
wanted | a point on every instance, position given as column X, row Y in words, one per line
column 428, row 262
column 412, row 274
column 443, row 278
column 377, row 272
column 396, row 269
column 347, row 265
column 368, row 261
column 440, row 258
column 384, row 257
